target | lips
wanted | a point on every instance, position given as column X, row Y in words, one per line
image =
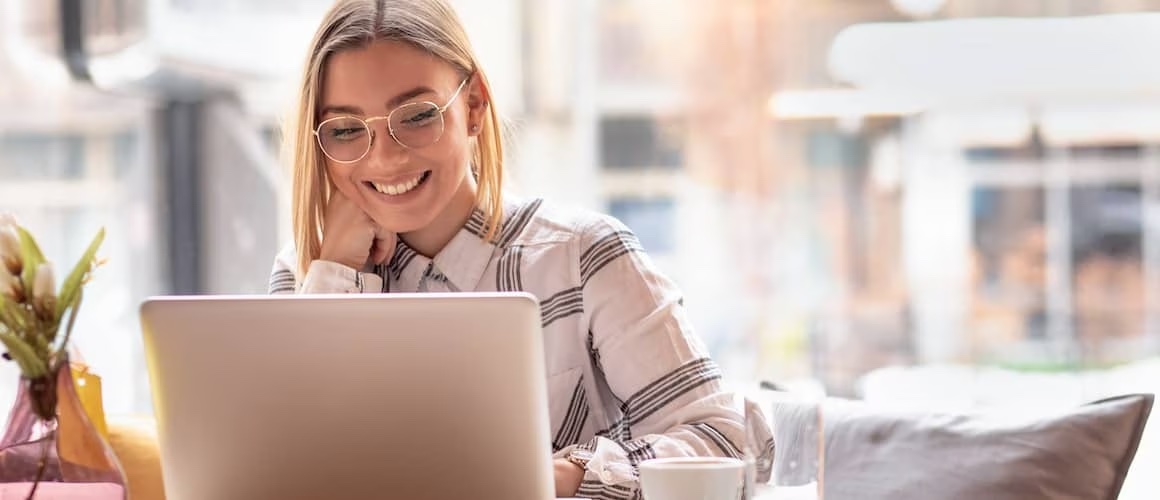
column 399, row 187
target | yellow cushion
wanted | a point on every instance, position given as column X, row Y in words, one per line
column 134, row 441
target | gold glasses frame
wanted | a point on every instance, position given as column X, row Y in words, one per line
column 366, row 123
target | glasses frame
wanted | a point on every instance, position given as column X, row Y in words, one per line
column 366, row 122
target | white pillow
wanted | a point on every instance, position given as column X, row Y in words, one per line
column 874, row 453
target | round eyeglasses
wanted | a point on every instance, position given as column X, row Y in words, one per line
column 347, row 139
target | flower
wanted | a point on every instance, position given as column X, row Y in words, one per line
column 9, row 244
column 9, row 285
column 43, row 291
column 43, row 288
column 36, row 320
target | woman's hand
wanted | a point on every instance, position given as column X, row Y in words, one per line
column 568, row 477
column 351, row 238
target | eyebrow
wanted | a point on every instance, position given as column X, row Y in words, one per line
column 391, row 104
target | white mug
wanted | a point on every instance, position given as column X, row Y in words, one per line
column 692, row 478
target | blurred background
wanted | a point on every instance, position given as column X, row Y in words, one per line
column 937, row 203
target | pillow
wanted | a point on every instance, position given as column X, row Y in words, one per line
column 872, row 453
column 134, row 441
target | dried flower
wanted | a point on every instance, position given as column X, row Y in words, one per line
column 44, row 292
column 32, row 311
column 9, row 244
column 9, row 285
column 43, row 288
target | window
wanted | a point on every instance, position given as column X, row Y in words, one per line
column 639, row 143
column 1107, row 269
column 1059, row 271
column 1009, row 275
column 651, row 219
column 33, row 156
column 126, row 153
column 831, row 149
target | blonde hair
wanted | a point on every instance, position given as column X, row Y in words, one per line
column 430, row 25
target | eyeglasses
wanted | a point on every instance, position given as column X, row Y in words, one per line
column 347, row 139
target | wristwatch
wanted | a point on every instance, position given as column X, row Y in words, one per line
column 580, row 457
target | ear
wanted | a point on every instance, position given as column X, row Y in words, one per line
column 478, row 99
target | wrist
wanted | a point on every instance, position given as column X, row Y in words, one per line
column 340, row 261
column 324, row 276
column 569, row 475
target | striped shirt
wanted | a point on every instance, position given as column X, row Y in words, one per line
column 628, row 380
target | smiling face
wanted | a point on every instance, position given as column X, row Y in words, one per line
column 402, row 189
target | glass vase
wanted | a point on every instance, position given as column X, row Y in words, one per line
column 62, row 456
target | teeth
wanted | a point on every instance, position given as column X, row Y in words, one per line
column 397, row 189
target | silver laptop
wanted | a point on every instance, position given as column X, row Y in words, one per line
column 425, row 396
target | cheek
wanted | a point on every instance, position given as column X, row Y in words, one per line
column 340, row 177
column 451, row 158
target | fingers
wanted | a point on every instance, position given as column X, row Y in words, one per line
column 383, row 246
column 380, row 252
column 352, row 237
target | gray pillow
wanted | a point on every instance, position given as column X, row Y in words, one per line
column 874, row 453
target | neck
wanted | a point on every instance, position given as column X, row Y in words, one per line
column 429, row 240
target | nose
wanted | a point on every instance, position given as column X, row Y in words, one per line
column 385, row 153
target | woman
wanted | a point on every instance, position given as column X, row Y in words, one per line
column 398, row 187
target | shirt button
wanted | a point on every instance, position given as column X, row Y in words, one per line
column 606, row 475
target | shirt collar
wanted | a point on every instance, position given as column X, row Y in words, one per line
column 462, row 261
column 465, row 258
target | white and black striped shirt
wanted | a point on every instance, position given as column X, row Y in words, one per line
column 627, row 377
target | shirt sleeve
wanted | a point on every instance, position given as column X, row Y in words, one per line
column 672, row 397
column 321, row 277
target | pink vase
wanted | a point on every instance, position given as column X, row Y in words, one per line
column 58, row 458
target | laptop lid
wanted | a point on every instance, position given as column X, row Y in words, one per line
column 417, row 396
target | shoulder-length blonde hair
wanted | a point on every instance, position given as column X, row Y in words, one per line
column 430, row 25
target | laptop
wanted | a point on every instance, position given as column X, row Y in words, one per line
column 408, row 396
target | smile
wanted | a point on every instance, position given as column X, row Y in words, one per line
column 401, row 187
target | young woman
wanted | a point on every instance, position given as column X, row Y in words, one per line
column 398, row 187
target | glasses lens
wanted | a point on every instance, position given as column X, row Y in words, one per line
column 344, row 138
column 417, row 125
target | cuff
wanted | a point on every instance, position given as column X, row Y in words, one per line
column 331, row 277
column 609, row 474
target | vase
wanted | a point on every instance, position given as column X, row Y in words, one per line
column 63, row 456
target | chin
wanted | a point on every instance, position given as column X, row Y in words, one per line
column 405, row 218
column 401, row 224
